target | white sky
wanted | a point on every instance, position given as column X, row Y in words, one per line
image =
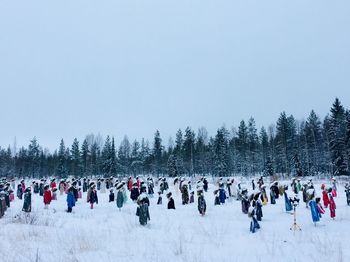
column 69, row 68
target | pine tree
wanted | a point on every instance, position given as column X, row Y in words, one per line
column 220, row 152
column 157, row 153
column 85, row 154
column 188, row 150
column 253, row 146
column 34, row 157
column 61, row 170
column 106, row 157
column 124, row 156
column 172, row 166
column 337, row 133
column 242, row 148
column 75, row 152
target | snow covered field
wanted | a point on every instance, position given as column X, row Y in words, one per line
column 106, row 234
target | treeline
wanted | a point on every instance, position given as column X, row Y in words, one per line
column 289, row 147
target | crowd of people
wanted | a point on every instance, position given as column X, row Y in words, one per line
column 138, row 190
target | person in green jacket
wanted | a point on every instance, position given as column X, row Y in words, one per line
column 120, row 195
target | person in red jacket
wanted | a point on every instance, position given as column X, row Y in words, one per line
column 325, row 196
column 47, row 196
column 23, row 185
column 130, row 183
column 332, row 205
column 138, row 181
column 53, row 183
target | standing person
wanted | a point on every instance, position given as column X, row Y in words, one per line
column 216, row 198
column 53, row 183
column 103, row 186
column 134, row 194
column 23, row 185
column 171, row 203
column 142, row 210
column 80, row 194
column 19, row 191
column 54, row 193
column 222, row 193
column 150, row 187
column 61, row 187
column 263, row 195
column 287, row 202
column 27, row 203
column 319, row 206
column 332, row 205
column 347, row 192
column 93, row 197
column 185, row 195
column 70, row 200
column 258, row 206
column 47, row 196
column 325, row 196
column 254, row 225
column 159, row 201
column 130, row 183
column 205, row 184
column 245, row 201
column 202, row 205
column 85, row 185
column 334, row 187
column 253, row 185
column 315, row 213
column 192, row 197
column 111, row 196
column 120, row 196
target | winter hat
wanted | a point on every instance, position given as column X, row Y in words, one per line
column 169, row 195
column 120, row 185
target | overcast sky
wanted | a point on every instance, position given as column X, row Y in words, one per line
column 70, row 68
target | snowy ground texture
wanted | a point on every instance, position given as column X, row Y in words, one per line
column 106, row 234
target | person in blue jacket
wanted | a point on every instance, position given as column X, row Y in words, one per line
column 70, row 200
column 287, row 201
column 222, row 193
column 315, row 213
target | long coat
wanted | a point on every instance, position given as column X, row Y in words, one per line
column 202, row 205
column 93, row 197
column 120, row 199
column 70, row 200
column 325, row 198
column 222, row 195
column 27, row 204
column 171, row 203
column 143, row 214
column 315, row 214
column 287, row 203
column 332, row 206
column 47, row 197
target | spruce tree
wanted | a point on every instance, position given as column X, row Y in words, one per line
column 337, row 133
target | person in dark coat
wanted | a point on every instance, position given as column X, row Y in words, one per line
column 202, row 205
column 222, row 193
column 70, row 200
column 134, row 194
column 159, row 201
column 111, row 195
column 192, row 197
column 171, row 203
column 257, row 204
column 254, row 225
column 120, row 196
column 93, row 197
column 19, row 191
column 142, row 210
column 347, row 192
column 216, row 198
column 205, row 184
column 27, row 203
column 245, row 201
column 85, row 185
column 185, row 194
